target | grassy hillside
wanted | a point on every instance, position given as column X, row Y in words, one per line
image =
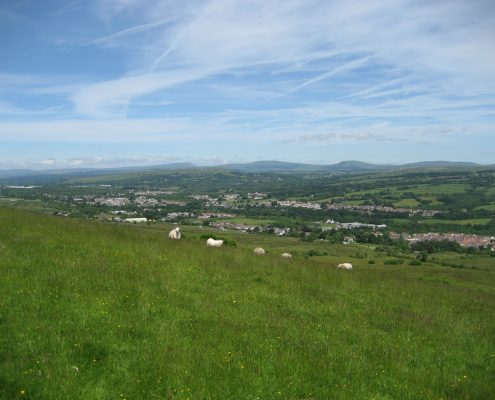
column 92, row 311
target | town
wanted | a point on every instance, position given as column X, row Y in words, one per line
column 278, row 204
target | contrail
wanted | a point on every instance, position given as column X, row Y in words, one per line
column 345, row 67
column 159, row 59
column 132, row 31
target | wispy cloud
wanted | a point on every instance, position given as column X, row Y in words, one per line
column 306, row 72
column 224, row 36
column 349, row 66
column 131, row 31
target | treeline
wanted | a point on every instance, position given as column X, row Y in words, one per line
column 437, row 246
column 424, row 227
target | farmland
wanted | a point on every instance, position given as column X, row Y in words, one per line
column 413, row 200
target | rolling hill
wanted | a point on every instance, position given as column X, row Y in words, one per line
column 21, row 175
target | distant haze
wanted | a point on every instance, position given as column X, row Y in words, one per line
column 254, row 167
column 114, row 83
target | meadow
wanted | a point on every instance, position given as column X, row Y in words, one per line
column 93, row 310
column 472, row 221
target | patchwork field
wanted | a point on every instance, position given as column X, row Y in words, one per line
column 99, row 311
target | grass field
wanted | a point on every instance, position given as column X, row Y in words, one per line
column 104, row 311
column 445, row 188
column 420, row 189
column 25, row 204
column 473, row 221
column 487, row 207
column 409, row 203
column 247, row 221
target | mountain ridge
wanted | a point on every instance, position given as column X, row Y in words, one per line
column 256, row 166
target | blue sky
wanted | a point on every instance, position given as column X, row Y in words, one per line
column 133, row 82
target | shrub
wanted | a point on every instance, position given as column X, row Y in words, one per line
column 394, row 261
column 371, row 262
column 415, row 262
column 312, row 253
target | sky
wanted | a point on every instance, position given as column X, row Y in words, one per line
column 105, row 83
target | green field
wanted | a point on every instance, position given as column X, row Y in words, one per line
column 247, row 221
column 25, row 204
column 400, row 221
column 488, row 207
column 445, row 188
column 353, row 202
column 408, row 203
column 473, row 221
column 420, row 189
column 94, row 310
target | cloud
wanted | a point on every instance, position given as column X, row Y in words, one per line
column 131, row 31
column 307, row 72
column 112, row 162
column 11, row 110
column 114, row 130
column 445, row 43
column 216, row 130
column 349, row 66
column 48, row 162
column 111, row 98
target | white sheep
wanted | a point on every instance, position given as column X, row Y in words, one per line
column 174, row 234
column 286, row 255
column 345, row 266
column 214, row 243
column 259, row 250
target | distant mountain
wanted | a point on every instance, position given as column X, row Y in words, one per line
column 357, row 166
column 439, row 164
column 279, row 166
column 64, row 172
column 272, row 166
column 24, row 175
column 182, row 165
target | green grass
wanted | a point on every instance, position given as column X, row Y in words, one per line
column 420, row 189
column 353, row 202
column 401, row 221
column 37, row 205
column 473, row 221
column 247, row 221
column 444, row 188
column 466, row 261
column 408, row 203
column 487, row 207
column 433, row 201
column 102, row 311
column 490, row 191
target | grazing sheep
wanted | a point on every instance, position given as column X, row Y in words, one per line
column 260, row 251
column 174, row 234
column 286, row 255
column 214, row 243
column 345, row 266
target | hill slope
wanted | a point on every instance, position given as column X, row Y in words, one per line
column 104, row 311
